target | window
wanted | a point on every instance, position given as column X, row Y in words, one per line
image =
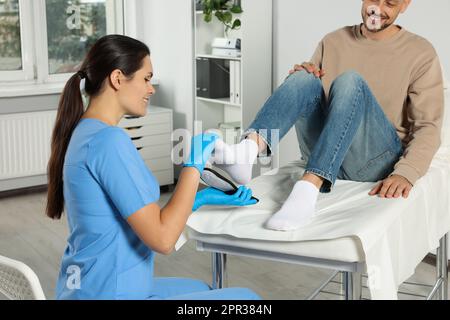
column 72, row 28
column 16, row 61
column 10, row 46
column 44, row 41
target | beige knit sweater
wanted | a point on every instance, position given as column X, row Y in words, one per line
column 404, row 74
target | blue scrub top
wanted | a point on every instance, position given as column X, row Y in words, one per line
column 105, row 182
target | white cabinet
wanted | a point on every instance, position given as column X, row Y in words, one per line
column 152, row 136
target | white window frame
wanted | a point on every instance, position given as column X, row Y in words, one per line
column 113, row 9
column 26, row 47
column 35, row 76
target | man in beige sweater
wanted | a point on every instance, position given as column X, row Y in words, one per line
column 367, row 107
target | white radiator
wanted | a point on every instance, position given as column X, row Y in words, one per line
column 25, row 140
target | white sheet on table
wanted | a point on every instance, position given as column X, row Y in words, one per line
column 396, row 234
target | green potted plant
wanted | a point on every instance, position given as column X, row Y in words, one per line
column 223, row 10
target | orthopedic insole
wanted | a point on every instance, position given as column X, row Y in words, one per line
column 215, row 180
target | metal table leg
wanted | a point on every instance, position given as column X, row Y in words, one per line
column 442, row 268
column 352, row 285
column 219, row 272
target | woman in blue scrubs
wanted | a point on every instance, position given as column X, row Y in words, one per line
column 109, row 195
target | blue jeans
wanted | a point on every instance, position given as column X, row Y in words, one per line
column 347, row 137
column 190, row 289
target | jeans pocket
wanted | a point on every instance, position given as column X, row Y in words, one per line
column 378, row 168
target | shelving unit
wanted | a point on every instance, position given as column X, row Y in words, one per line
column 217, row 57
column 223, row 101
column 255, row 72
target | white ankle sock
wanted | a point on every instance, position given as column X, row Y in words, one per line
column 237, row 160
column 298, row 209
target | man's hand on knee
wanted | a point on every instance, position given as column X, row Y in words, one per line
column 393, row 187
column 308, row 67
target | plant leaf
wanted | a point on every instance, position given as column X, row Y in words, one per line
column 223, row 10
column 219, row 15
column 223, row 4
column 208, row 17
column 217, row 4
column 227, row 17
column 207, row 6
column 236, row 9
column 236, row 24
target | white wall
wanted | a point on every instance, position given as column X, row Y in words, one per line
column 299, row 25
column 166, row 26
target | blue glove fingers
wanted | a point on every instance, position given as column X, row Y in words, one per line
column 239, row 193
column 245, row 195
column 211, row 196
column 202, row 147
column 248, row 198
column 210, row 139
column 245, row 198
column 196, row 150
column 249, row 195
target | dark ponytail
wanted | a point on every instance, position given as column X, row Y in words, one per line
column 108, row 54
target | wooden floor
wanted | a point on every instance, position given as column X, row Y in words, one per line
column 27, row 235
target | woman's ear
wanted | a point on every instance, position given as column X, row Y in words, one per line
column 116, row 78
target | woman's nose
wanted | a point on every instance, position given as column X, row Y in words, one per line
column 151, row 89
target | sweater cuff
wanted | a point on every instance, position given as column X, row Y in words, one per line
column 407, row 172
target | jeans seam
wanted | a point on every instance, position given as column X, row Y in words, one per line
column 371, row 162
column 317, row 98
column 316, row 101
column 341, row 138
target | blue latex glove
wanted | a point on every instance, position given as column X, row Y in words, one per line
column 202, row 146
column 212, row 196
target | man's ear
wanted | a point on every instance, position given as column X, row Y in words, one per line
column 405, row 5
column 115, row 78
